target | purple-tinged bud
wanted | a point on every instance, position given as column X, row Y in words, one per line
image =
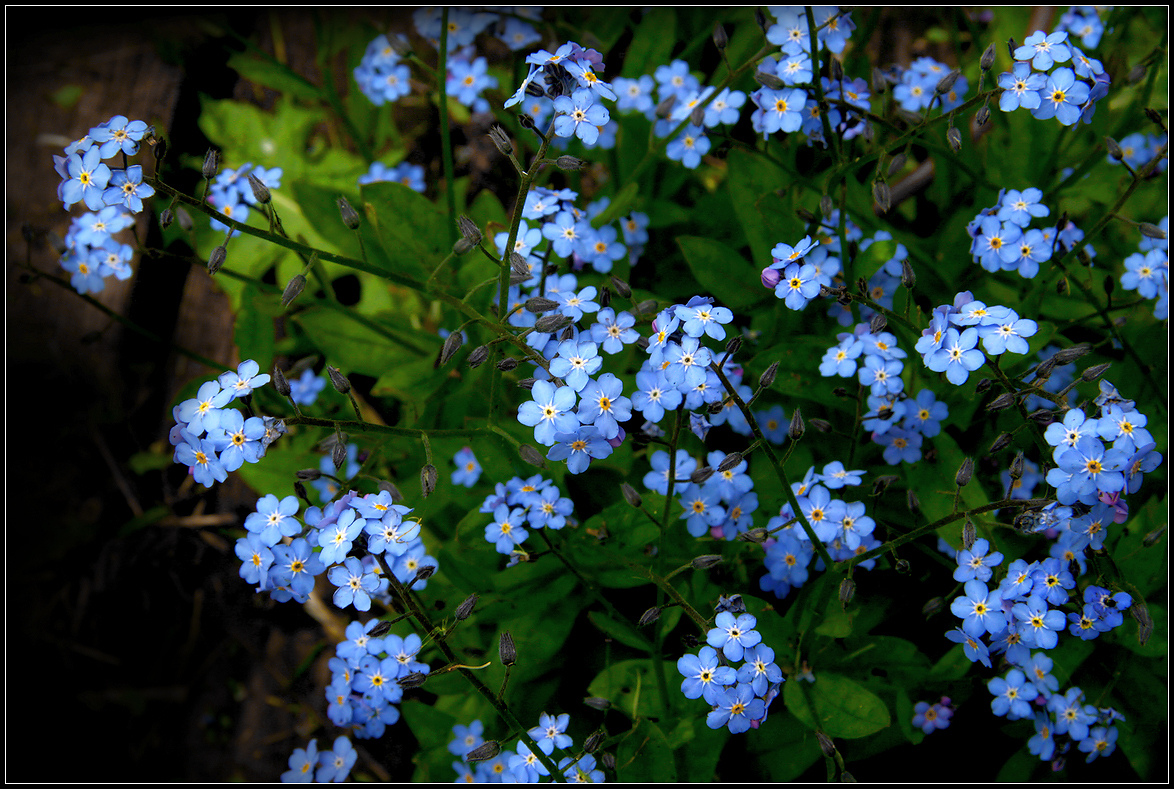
column 947, row 82
column 771, row 277
column 1150, row 230
column 729, row 461
column 933, row 606
column 211, row 164
column 897, row 164
column 597, row 703
column 549, row 324
column 540, row 304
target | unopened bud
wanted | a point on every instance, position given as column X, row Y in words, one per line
column 825, row 744
column 822, row 425
column 594, row 740
column 701, row 475
column 768, row 377
column 1011, row 47
column 631, row 495
column 428, row 477
column 549, row 324
column 965, row 473
column 391, row 489
column 1016, row 469
column 705, row 562
column 293, row 289
column 338, row 379
column 1152, row 539
column 665, row 108
column 423, row 574
column 987, row 61
column 280, row 383
column 160, row 149
column 478, row 356
column 185, row 219
column 826, row 207
column 1150, row 230
column 308, row 474
column 1145, row 624
column 1136, row 74
column 530, row 455
column 1095, row 372
column 465, row 609
column 796, row 429
column 947, row 82
column 569, row 163
column 216, row 259
column 897, row 164
column 729, row 461
column 954, row 138
column 1000, row 443
column 649, row 616
column 882, row 483
column 462, row 246
column 878, row 323
column 300, row 492
column 413, row 680
column 837, row 70
column 757, row 536
column 621, row 287
column 882, row 195
column 969, row 534
column 380, row 629
column 908, row 276
column 1068, row 355
column 452, row 344
column 768, row 80
column 486, row 750
column 1114, row 149
column 597, row 703
column 350, row 217
column 760, row 18
column 260, row 190
column 879, row 83
column 933, row 606
column 506, row 649
column 847, row 590
column 697, row 116
column 646, row 307
column 1005, row 400
column 211, row 163
column 519, row 266
column 507, row 364
column 911, row 501
column 501, row 140
column 468, row 230
column 721, row 39
column 983, row 116
column 734, row 344
column 166, row 218
column 982, row 385
column 338, row 454
column 540, row 304
column 1043, row 416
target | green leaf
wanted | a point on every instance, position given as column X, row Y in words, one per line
column 842, row 707
column 722, row 271
column 272, row 74
column 644, row 756
column 624, row 632
column 653, row 42
column 254, row 332
column 353, row 347
column 631, row 688
column 411, row 230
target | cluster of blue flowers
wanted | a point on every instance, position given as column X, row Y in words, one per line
column 1148, row 270
column 950, row 343
column 523, row 765
column 309, row 765
column 232, row 194
column 917, row 87
column 1025, row 612
column 842, row 526
column 112, row 197
column 406, row 173
column 739, row 697
column 332, row 542
column 365, row 678
column 1138, row 149
column 380, row 75
column 570, row 82
column 1004, row 241
column 1066, row 94
column 535, row 502
column 212, row 440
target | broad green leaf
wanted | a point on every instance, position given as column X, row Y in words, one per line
column 652, row 43
column 632, row 689
column 272, row 74
column 624, row 632
column 842, row 707
column 722, row 272
column 644, row 756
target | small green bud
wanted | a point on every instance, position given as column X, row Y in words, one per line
column 705, row 562
column 428, row 477
column 882, row 195
column 216, row 259
column 954, row 138
column 1000, row 443
column 540, row 304
column 280, row 383
column 987, row 61
column 631, row 495
column 338, row 379
column 483, row 752
column 769, row 81
column 649, row 616
column 768, row 376
column 501, row 140
column 260, row 190
column 898, row 164
column 211, row 164
column 293, row 289
column 1150, row 230
column 1114, row 149
column 947, row 82
column 478, row 356
column 466, row 608
column 969, row 535
column 569, row 163
column 1016, row 469
column 721, row 39
column 847, row 590
column 796, row 429
column 350, row 217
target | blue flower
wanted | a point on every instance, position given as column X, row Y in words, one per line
column 336, row 764
column 579, row 116
column 980, row 609
column 974, row 649
column 736, row 708
column 930, row 718
column 549, row 411
column 118, row 134
column 354, row 584
column 603, row 405
column 305, row 390
column 506, row 531
column 301, row 764
column 553, row 728
column 1012, row 695
column 578, row 448
column 468, row 469
column 247, row 377
column 733, row 636
column 1038, row 625
column 976, row 562
column 466, row 738
column 126, row 188
column 759, row 670
column 958, row 356
column 689, row 147
column 87, row 180
column 1044, row 50
column 1062, row 97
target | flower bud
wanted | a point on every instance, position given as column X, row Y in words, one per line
column 469, row 230
column 882, row 195
column 279, row 382
column 665, row 108
column 507, row 364
column 501, row 140
column 757, row 536
column 879, row 83
column 524, row 119
column 396, row 496
column 423, row 574
column 597, row 703
column 1011, row 47
column 1000, row 443
column 530, row 455
column 897, row 164
column 701, row 475
column 1136, row 74
column 721, row 39
column 649, row 616
column 697, row 116
column 621, row 287
column 822, row 425
column 1114, row 149
column 1152, row 539
column 908, row 277
column 594, row 740
column 969, row 535
column 705, row 562
column 825, row 744
column 160, row 150
column 413, row 680
column 300, row 492
column 965, row 473
column 549, row 324
column 954, row 138
column 770, row 277
column 1145, row 623
column 462, row 246
column 983, row 116
column 760, row 18
column 185, row 219
column 308, row 474
column 646, row 307
column 506, row 649
column 837, row 70
column 769, row 81
column 1043, row 416
column 483, row 752
column 1016, row 469
column 796, row 429
column 540, row 304
column 350, row 217
column 729, row 461
column 166, row 218
column 338, row 379
column 947, row 82
column 260, row 190
column 466, row 608
column 1005, row 400
column 452, row 344
column 1068, row 355
column 569, row 163
column 768, row 376
column 293, row 289
column 1093, row 373
column 1150, row 230
column 216, row 259
column 882, row 483
column 338, row 454
column 878, row 323
column 478, row 356
column 380, row 629
column 932, row 606
column 847, row 590
column 631, row 495
column 911, row 501
column 211, row 163
column 987, row 61
column 428, row 476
